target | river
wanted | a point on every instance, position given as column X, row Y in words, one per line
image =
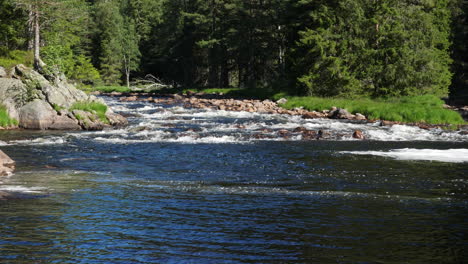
column 203, row 186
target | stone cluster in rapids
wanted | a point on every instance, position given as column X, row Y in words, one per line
column 218, row 102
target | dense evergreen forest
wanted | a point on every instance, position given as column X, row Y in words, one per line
column 372, row 48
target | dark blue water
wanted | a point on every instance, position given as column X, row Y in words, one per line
column 188, row 186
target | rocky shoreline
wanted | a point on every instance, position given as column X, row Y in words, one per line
column 41, row 102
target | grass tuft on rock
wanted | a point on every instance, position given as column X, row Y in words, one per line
column 409, row 109
column 5, row 120
column 92, row 107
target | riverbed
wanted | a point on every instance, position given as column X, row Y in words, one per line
column 184, row 185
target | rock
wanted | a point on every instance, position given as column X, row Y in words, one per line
column 116, row 119
column 300, row 129
column 358, row 134
column 129, row 99
column 178, row 97
column 87, row 120
column 320, row 134
column 7, row 165
column 64, row 94
column 359, row 116
column 282, row 101
column 3, row 72
column 64, row 122
column 309, row 115
column 284, row 133
column 140, row 129
column 339, row 113
column 309, row 134
column 37, row 114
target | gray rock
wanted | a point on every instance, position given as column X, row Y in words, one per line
column 360, row 117
column 64, row 122
column 11, row 108
column 37, row 114
column 7, row 165
column 88, row 121
column 282, row 101
column 116, row 119
column 3, row 72
column 340, row 113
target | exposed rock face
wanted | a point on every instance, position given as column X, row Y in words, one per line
column 39, row 103
column 3, row 73
column 7, row 165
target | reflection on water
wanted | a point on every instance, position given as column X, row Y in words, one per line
column 83, row 198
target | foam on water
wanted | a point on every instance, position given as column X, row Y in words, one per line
column 39, row 141
column 448, row 155
column 21, row 189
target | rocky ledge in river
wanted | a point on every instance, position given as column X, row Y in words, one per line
column 217, row 102
column 220, row 102
column 37, row 102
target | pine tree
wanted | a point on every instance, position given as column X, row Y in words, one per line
column 390, row 48
column 110, row 31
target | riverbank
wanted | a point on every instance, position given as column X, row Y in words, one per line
column 421, row 111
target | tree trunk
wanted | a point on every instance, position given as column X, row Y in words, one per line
column 38, row 63
column 127, row 73
column 31, row 19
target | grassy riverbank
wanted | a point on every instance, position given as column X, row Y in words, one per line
column 409, row 109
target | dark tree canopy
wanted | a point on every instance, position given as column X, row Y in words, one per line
column 316, row 47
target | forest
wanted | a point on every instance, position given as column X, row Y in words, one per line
column 327, row 48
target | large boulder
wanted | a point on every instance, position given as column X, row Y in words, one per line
column 7, row 165
column 37, row 114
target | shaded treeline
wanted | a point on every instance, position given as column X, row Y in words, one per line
column 306, row 47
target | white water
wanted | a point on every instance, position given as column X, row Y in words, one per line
column 155, row 123
column 448, row 155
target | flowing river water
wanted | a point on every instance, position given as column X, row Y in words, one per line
column 203, row 186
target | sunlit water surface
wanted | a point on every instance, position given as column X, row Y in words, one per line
column 196, row 186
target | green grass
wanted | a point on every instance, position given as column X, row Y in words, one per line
column 92, row 107
column 57, row 107
column 415, row 109
column 15, row 57
column 106, row 89
column 5, row 120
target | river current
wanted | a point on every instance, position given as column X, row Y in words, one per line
column 203, row 186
